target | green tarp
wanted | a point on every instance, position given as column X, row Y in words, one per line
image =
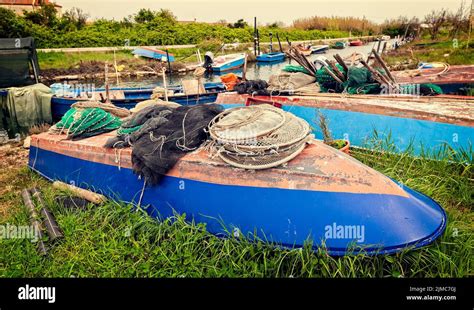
column 24, row 107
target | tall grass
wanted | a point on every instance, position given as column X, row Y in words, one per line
column 114, row 240
column 354, row 24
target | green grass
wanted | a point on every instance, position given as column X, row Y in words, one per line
column 112, row 240
column 442, row 50
column 61, row 60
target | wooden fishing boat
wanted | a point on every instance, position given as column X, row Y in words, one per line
column 305, row 50
column 129, row 97
column 451, row 79
column 322, row 195
column 228, row 62
column 271, row 57
column 422, row 123
column 319, row 49
column 153, row 54
column 356, row 43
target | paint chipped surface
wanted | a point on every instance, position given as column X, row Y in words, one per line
column 443, row 109
column 324, row 168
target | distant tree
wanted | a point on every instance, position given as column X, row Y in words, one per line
column 239, row 24
column 459, row 20
column 276, row 25
column 10, row 25
column 222, row 22
column 166, row 15
column 435, row 20
column 76, row 17
column 46, row 15
column 144, row 16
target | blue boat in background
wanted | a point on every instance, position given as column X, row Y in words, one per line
column 271, row 57
column 319, row 49
column 132, row 95
column 228, row 62
column 153, row 54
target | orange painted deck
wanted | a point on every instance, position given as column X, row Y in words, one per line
column 318, row 168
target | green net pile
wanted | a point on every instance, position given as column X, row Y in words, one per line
column 291, row 68
column 81, row 124
column 359, row 81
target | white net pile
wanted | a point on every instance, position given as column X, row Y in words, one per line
column 258, row 137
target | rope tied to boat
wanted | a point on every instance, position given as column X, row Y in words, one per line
column 272, row 137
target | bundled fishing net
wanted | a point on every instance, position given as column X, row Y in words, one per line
column 83, row 123
column 258, row 137
column 138, row 124
column 167, row 139
column 252, row 87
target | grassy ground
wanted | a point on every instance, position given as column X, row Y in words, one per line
column 112, row 241
column 426, row 50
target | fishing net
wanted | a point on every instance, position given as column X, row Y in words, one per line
column 138, row 124
column 289, row 81
column 292, row 69
column 243, row 124
column 252, row 87
column 256, row 144
column 169, row 138
column 80, row 124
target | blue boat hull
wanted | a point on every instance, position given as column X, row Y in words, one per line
column 237, row 63
column 271, row 57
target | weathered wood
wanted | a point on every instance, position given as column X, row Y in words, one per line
column 83, row 193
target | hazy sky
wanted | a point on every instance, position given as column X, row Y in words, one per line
column 265, row 10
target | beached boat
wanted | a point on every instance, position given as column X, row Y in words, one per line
column 129, row 97
column 228, row 62
column 356, row 43
column 271, row 57
column 319, row 49
column 153, row 54
column 423, row 123
column 322, row 195
column 452, row 79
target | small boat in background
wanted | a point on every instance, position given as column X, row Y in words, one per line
column 319, row 49
column 356, row 43
column 339, row 45
column 153, row 54
column 271, row 57
column 228, row 62
column 305, row 50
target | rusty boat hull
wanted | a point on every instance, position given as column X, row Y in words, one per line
column 322, row 196
column 423, row 125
